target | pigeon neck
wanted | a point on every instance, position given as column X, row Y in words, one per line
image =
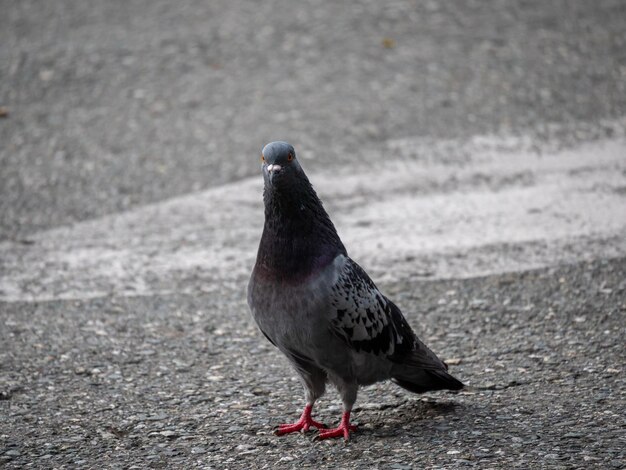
column 299, row 238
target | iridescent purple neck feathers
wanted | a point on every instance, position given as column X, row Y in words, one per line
column 298, row 239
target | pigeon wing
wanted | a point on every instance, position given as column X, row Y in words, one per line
column 369, row 322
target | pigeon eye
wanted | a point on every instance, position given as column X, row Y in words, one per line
column 262, row 158
column 289, row 156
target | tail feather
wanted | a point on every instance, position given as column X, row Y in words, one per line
column 422, row 371
column 427, row 380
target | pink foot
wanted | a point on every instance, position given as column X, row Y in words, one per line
column 303, row 424
column 342, row 430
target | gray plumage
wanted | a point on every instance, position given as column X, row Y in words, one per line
column 320, row 308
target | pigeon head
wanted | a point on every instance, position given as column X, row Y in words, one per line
column 280, row 166
column 298, row 236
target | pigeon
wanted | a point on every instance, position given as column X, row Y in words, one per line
column 321, row 309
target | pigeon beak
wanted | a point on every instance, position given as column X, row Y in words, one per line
column 273, row 168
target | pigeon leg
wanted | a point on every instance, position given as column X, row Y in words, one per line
column 342, row 430
column 303, row 424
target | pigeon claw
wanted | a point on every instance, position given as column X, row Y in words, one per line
column 342, row 430
column 302, row 425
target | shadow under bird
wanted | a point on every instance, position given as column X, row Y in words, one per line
column 321, row 309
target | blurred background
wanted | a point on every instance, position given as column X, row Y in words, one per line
column 112, row 104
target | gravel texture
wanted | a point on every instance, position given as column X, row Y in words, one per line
column 187, row 381
column 109, row 105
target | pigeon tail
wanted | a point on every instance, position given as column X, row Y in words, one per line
column 424, row 380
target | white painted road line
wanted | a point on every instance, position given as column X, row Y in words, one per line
column 497, row 211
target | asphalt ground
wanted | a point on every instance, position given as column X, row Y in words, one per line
column 186, row 381
column 130, row 208
column 114, row 104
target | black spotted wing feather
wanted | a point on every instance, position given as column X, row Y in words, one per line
column 365, row 319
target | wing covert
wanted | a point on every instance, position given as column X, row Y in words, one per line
column 364, row 318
